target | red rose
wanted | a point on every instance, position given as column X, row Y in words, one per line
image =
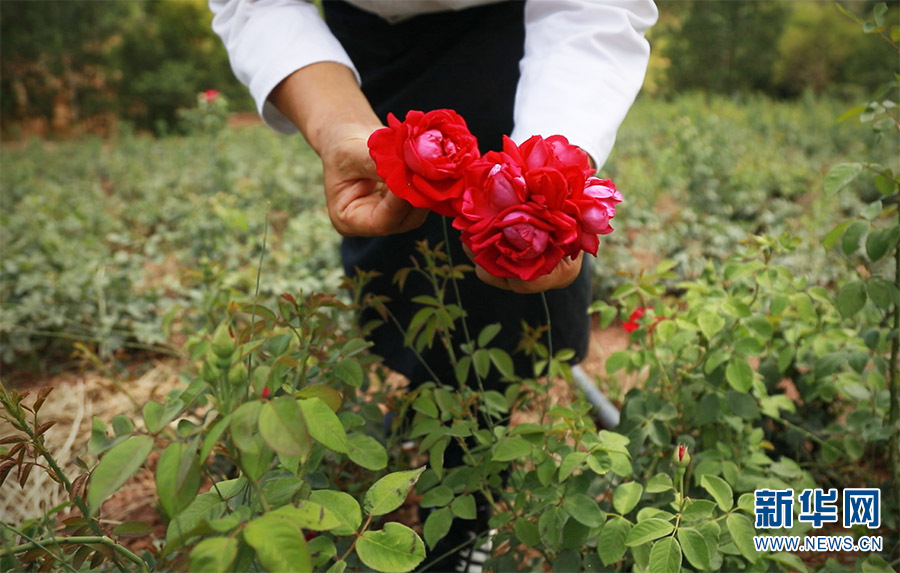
column 593, row 207
column 210, row 95
column 512, row 219
column 633, row 322
column 424, row 158
column 555, row 151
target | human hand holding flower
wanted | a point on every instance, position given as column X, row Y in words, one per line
column 526, row 213
column 359, row 202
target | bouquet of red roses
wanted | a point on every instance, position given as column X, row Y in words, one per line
column 520, row 210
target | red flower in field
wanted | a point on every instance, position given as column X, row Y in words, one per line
column 424, row 158
column 210, row 95
column 633, row 322
column 265, row 393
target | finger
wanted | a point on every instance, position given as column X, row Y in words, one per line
column 395, row 215
column 490, row 279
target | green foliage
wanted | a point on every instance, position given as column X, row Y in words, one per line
column 71, row 61
column 119, row 245
column 725, row 46
column 751, row 373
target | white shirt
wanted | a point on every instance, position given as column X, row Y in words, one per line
column 599, row 42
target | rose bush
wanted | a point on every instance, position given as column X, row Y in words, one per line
column 424, row 158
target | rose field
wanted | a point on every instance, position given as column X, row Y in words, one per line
column 185, row 385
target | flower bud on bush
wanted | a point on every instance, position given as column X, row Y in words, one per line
column 222, row 342
column 681, row 457
column 237, row 374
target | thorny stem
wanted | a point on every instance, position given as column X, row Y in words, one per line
column 358, row 534
column 416, row 352
column 76, row 540
column 262, row 255
column 465, row 326
column 549, row 349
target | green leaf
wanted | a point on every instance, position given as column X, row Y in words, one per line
column 437, row 497
column 324, row 425
column 502, row 362
column 852, row 236
column 133, row 529
column 584, row 509
column 617, row 360
column 482, row 361
column 389, row 492
column 742, row 532
column 117, row 465
column 791, row 561
column 510, row 449
column 527, row 531
column 710, row 323
column 326, row 394
column 697, row 509
column 177, row 477
column 570, row 463
column 282, row 427
column 611, row 541
column 308, row 515
column 851, row 298
column 367, row 452
column 840, row 176
column 880, row 241
column 349, row 372
column 665, row 557
column 343, row 506
column 463, row 507
column 627, row 496
column 206, row 506
column 495, row 401
column 659, row 483
column 245, row 426
column 719, row 490
column 395, row 549
column 883, row 293
column 437, row 526
column 833, row 235
column 739, row 374
column 647, row 531
column 695, row 548
column 212, row 437
column 488, row 333
column 280, row 545
column 214, row 554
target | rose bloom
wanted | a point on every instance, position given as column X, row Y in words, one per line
column 424, row 158
column 633, row 322
column 511, row 217
column 210, row 95
column 593, row 207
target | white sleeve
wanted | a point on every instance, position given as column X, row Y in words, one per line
column 267, row 40
column 584, row 63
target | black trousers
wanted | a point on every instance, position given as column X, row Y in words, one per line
column 468, row 61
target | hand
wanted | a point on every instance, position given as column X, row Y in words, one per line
column 359, row 203
column 562, row 276
column 325, row 103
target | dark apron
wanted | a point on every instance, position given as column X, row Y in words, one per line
column 468, row 61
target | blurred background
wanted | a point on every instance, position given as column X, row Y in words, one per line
column 139, row 193
column 76, row 66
